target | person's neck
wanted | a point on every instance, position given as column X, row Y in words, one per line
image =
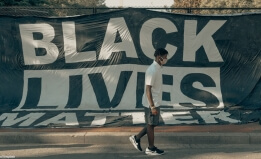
column 158, row 62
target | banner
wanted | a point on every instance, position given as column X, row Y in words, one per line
column 89, row 70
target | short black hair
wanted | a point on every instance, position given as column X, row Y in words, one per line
column 160, row 52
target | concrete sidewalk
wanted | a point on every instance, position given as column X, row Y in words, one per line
column 192, row 134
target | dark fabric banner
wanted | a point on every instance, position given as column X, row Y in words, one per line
column 89, row 70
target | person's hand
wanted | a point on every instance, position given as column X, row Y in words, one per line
column 154, row 111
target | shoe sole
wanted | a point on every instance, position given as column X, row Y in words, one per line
column 153, row 154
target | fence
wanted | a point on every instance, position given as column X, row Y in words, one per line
column 60, row 12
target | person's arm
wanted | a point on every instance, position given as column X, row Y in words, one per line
column 149, row 97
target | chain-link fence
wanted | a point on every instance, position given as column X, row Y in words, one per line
column 216, row 10
column 40, row 11
column 61, row 12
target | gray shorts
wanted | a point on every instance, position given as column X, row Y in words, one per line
column 151, row 119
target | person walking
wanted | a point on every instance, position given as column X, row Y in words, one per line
column 151, row 101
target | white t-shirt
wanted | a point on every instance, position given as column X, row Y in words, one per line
column 153, row 77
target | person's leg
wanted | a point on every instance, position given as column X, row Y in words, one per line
column 154, row 121
column 141, row 133
column 150, row 134
column 135, row 139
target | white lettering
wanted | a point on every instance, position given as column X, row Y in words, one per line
column 11, row 119
column 69, row 119
column 210, row 116
column 100, row 118
column 137, row 117
column 178, row 118
column 55, row 87
column 30, row 44
column 193, row 41
column 117, row 25
column 57, row 82
column 70, row 49
column 146, row 35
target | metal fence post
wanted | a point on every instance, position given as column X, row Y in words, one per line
column 94, row 10
column 38, row 11
column 189, row 10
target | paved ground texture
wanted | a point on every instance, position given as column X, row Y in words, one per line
column 119, row 151
column 197, row 134
column 179, row 142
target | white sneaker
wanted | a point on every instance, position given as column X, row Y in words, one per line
column 154, row 151
column 135, row 143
